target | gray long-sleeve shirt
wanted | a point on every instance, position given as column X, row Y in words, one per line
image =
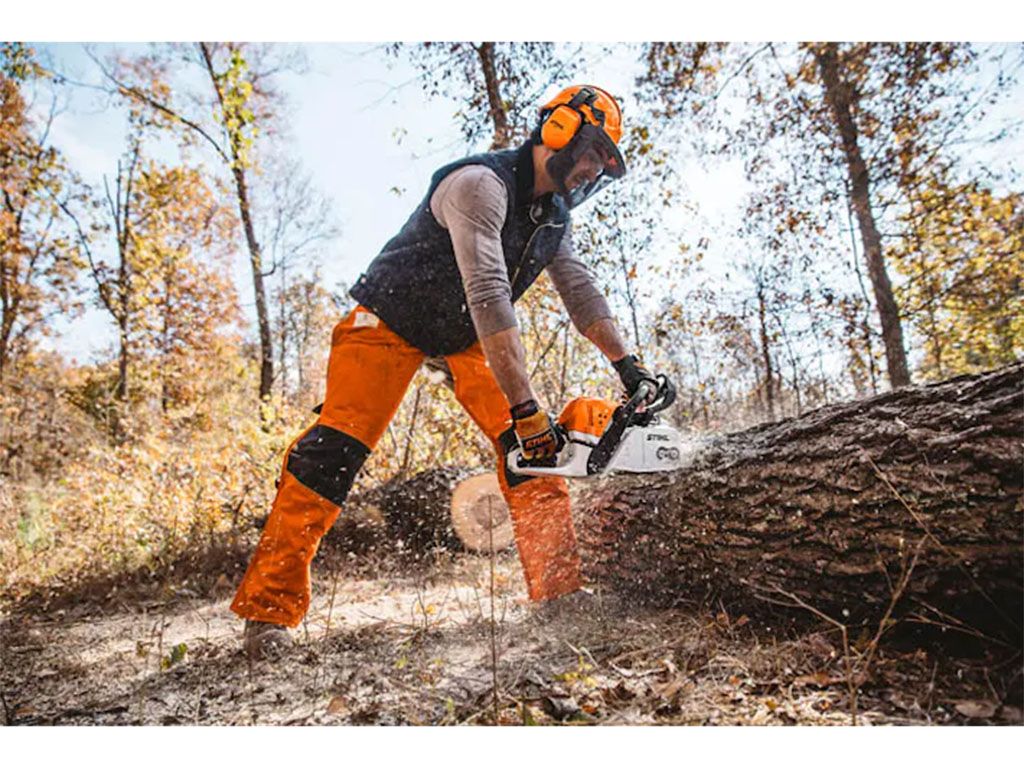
column 471, row 203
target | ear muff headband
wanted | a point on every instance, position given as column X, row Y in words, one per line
column 564, row 121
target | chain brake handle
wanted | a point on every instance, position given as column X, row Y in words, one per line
column 661, row 397
column 633, row 411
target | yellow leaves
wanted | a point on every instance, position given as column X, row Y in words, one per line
column 578, row 676
column 174, row 491
column 236, row 113
column 963, row 263
column 37, row 265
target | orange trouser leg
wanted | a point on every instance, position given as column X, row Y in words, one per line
column 367, row 374
column 539, row 507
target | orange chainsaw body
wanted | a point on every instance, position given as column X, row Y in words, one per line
column 587, row 415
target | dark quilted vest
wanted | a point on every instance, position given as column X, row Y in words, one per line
column 414, row 284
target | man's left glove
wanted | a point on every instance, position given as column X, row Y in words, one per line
column 632, row 373
column 537, row 434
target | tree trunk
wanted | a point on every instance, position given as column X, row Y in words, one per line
column 120, row 410
column 121, row 392
column 282, row 337
column 9, row 293
column 124, row 299
column 794, row 366
column 766, row 355
column 496, row 107
column 840, row 100
column 256, row 261
column 5, row 342
column 831, row 508
column 123, row 221
column 255, row 255
column 443, row 508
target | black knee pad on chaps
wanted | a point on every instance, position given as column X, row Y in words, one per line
column 326, row 461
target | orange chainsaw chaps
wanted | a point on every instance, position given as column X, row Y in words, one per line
column 276, row 586
column 368, row 371
column 539, row 507
column 545, row 537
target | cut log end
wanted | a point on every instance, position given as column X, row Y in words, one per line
column 480, row 515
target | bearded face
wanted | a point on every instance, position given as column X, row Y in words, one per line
column 587, row 164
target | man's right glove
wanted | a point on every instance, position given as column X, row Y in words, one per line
column 632, row 373
column 537, row 434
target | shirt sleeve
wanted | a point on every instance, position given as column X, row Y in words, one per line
column 471, row 203
column 577, row 286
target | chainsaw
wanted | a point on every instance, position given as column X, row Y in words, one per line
column 600, row 436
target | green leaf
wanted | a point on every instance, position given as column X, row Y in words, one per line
column 177, row 654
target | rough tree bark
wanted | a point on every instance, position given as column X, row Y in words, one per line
column 259, row 291
column 840, row 99
column 121, row 213
column 495, row 104
column 832, row 508
column 416, row 510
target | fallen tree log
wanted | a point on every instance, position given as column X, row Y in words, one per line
column 416, row 509
column 443, row 508
column 910, row 500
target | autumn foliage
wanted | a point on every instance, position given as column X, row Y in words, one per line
column 169, row 442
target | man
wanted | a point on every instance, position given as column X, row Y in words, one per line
column 444, row 286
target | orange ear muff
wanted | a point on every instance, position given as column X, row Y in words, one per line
column 560, row 126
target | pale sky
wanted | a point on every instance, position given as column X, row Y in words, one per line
column 345, row 112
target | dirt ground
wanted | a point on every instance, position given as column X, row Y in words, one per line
column 401, row 646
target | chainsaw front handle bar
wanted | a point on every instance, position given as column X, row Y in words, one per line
column 658, row 395
column 633, row 411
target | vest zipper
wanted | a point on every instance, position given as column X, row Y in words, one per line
column 526, row 249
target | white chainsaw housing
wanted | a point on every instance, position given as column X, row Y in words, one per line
column 654, row 448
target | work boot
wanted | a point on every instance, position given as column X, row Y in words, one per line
column 263, row 640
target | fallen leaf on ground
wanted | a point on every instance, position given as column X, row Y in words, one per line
column 560, row 708
column 337, row 706
column 979, row 709
column 821, row 679
column 670, row 689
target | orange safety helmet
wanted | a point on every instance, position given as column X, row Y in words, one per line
column 583, row 125
column 563, row 115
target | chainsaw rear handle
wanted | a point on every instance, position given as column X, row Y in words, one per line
column 521, row 462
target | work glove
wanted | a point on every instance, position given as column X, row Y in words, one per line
column 537, row 434
column 632, row 373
